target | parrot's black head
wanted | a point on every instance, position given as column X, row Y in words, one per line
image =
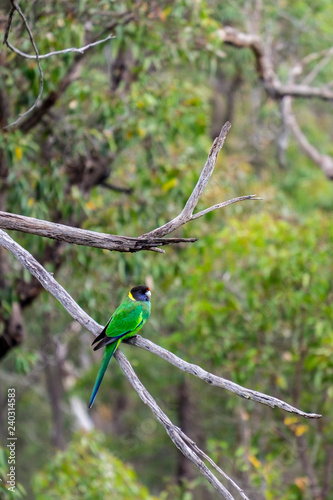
column 140, row 292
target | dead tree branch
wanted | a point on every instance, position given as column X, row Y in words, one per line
column 78, row 236
column 181, row 441
column 36, row 112
column 211, row 379
column 15, row 6
column 80, row 50
column 148, row 241
column 325, row 162
column 186, row 214
column 272, row 84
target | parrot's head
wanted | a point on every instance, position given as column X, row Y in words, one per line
column 141, row 293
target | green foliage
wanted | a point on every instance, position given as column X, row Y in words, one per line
column 87, row 470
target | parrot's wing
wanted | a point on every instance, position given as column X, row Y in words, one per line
column 105, row 340
column 126, row 319
column 103, row 332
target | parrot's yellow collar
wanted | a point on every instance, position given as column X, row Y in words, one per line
column 131, row 296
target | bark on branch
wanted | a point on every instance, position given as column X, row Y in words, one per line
column 211, row 379
column 78, row 236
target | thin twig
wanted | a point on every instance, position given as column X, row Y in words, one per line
column 318, row 67
column 80, row 50
column 41, row 76
column 324, row 161
column 186, row 214
column 8, row 25
column 225, row 204
column 211, row 379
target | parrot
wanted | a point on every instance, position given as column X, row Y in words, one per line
column 126, row 321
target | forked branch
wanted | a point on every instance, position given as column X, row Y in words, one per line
column 148, row 241
column 186, row 214
column 264, row 67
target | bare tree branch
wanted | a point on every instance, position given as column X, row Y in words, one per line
column 15, row 6
column 186, row 214
column 325, row 162
column 148, row 241
column 80, row 50
column 277, row 90
column 72, row 74
column 273, row 86
column 318, row 67
column 84, row 237
column 211, row 379
column 206, row 172
column 212, row 463
column 48, row 282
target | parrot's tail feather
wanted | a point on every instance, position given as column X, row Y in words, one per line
column 109, row 351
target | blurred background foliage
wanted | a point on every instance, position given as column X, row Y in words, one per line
column 119, row 151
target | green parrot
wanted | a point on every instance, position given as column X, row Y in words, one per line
column 125, row 322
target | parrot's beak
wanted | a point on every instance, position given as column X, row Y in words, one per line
column 148, row 293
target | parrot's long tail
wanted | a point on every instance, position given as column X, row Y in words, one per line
column 109, row 351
